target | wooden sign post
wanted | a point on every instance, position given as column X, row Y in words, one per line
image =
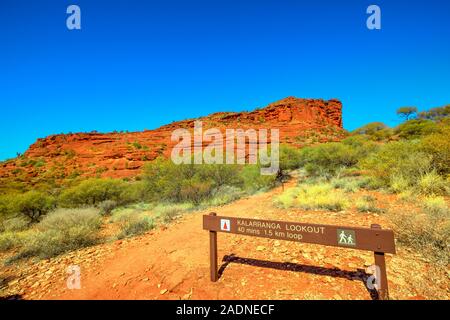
column 375, row 239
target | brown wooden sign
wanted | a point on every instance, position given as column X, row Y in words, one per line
column 371, row 239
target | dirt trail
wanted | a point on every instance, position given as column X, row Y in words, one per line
column 173, row 263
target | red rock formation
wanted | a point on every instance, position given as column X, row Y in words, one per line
column 300, row 121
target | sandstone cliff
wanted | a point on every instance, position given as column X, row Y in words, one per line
column 300, row 122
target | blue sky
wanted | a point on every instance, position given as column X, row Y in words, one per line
column 137, row 65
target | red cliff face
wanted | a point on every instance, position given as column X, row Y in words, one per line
column 300, row 122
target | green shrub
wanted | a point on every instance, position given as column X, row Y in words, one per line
column 4, row 205
column 436, row 207
column 407, row 195
column 64, row 219
column 166, row 181
column 438, row 146
column 286, row 199
column 91, row 192
column 195, row 190
column 290, row 158
column 62, row 230
column 135, row 226
column 398, row 159
column 32, row 204
column 167, row 212
column 377, row 131
column 361, row 144
column 7, row 241
column 370, row 128
column 134, row 192
column 224, row 195
column 106, row 207
column 433, row 184
column 436, row 113
column 414, row 129
column 16, row 224
column 347, row 184
column 122, row 215
column 253, row 181
column 326, row 159
column 399, row 183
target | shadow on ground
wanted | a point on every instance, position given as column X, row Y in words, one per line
column 359, row 275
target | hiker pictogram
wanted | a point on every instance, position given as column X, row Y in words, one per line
column 346, row 237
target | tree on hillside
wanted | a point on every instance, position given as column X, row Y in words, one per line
column 435, row 113
column 370, row 128
column 375, row 130
column 407, row 112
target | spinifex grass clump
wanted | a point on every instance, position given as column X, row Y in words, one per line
column 314, row 197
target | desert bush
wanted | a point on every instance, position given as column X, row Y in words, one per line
column 438, row 146
column 16, row 224
column 290, row 157
column 91, row 192
column 224, row 195
column 436, row 113
column 134, row 192
column 106, row 207
column 399, row 183
column 167, row 212
column 432, row 184
column 195, row 191
column 253, row 181
column 376, row 131
column 414, row 129
column 398, row 159
column 62, row 230
column 326, row 159
column 7, row 241
column 436, row 207
column 32, row 204
column 370, row 128
column 286, row 199
column 348, row 184
column 121, row 215
column 313, row 197
column 169, row 182
column 407, row 195
column 219, row 174
column 65, row 219
column 425, row 231
column 5, row 205
column 135, row 225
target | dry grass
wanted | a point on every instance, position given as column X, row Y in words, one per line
column 320, row 196
column 426, row 229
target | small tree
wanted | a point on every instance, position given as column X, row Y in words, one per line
column 406, row 112
column 33, row 204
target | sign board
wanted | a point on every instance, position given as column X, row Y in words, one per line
column 350, row 237
column 375, row 239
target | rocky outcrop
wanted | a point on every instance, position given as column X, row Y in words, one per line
column 300, row 122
